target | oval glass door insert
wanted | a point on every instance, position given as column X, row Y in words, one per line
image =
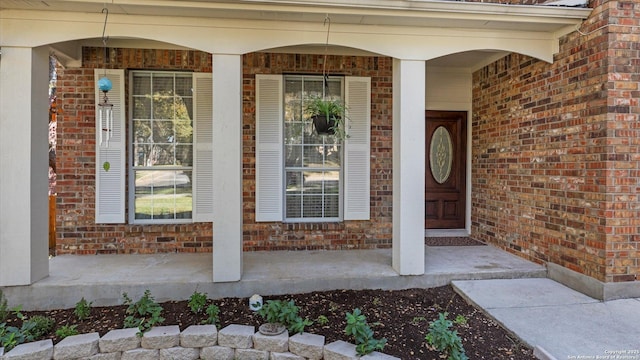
column 441, row 154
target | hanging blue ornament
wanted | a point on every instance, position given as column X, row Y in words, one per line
column 104, row 84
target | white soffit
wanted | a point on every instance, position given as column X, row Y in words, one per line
column 421, row 13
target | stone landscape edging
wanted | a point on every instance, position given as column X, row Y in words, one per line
column 205, row 342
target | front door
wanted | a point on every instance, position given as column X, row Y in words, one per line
column 445, row 183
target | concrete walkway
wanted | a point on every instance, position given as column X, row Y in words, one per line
column 559, row 322
column 103, row 278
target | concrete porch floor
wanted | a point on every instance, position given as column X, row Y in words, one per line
column 103, row 278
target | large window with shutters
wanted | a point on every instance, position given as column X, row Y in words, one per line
column 313, row 163
column 168, row 148
column 301, row 176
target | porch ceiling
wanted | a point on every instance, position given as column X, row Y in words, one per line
column 420, row 13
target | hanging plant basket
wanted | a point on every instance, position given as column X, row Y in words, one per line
column 323, row 125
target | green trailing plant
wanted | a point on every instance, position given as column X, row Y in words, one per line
column 37, row 326
column 83, row 309
column 441, row 338
column 197, row 301
column 334, row 111
column 361, row 332
column 143, row 314
column 285, row 313
column 4, row 308
column 213, row 312
column 66, row 330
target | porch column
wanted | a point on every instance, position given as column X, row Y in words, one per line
column 24, row 161
column 408, row 166
column 227, row 168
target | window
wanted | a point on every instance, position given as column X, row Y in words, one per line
column 162, row 128
column 313, row 163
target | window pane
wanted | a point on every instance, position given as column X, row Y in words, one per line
column 332, row 206
column 163, row 131
column 293, row 133
column 294, row 182
column 332, row 182
column 163, row 154
column 142, row 107
column 313, row 156
column 163, row 107
column 163, row 194
column 313, row 182
column 184, row 155
column 183, row 85
column 163, row 84
column 142, row 84
column 333, row 157
column 294, row 206
column 142, row 131
column 293, row 156
column 312, row 207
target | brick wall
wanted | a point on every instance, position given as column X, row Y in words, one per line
column 555, row 150
column 77, row 232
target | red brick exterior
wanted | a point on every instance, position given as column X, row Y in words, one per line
column 555, row 150
column 555, row 153
column 77, row 232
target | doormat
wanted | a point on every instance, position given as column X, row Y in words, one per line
column 452, row 241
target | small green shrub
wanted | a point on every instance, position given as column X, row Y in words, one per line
column 322, row 320
column 212, row 312
column 285, row 313
column 38, row 326
column 358, row 328
column 143, row 314
column 460, row 320
column 66, row 330
column 197, row 301
column 10, row 337
column 4, row 308
column 82, row 309
column 443, row 339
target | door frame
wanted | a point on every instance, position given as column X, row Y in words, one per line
column 466, row 231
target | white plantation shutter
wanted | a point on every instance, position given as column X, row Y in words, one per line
column 203, row 147
column 269, row 137
column 357, row 156
column 110, row 185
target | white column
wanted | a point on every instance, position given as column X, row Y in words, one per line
column 408, row 166
column 227, row 168
column 24, row 160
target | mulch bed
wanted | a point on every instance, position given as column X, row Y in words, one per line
column 401, row 316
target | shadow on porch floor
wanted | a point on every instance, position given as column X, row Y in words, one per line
column 103, row 278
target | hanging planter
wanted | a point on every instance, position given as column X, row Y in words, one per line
column 324, row 125
column 328, row 116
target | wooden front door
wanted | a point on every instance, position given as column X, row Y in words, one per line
column 446, row 157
